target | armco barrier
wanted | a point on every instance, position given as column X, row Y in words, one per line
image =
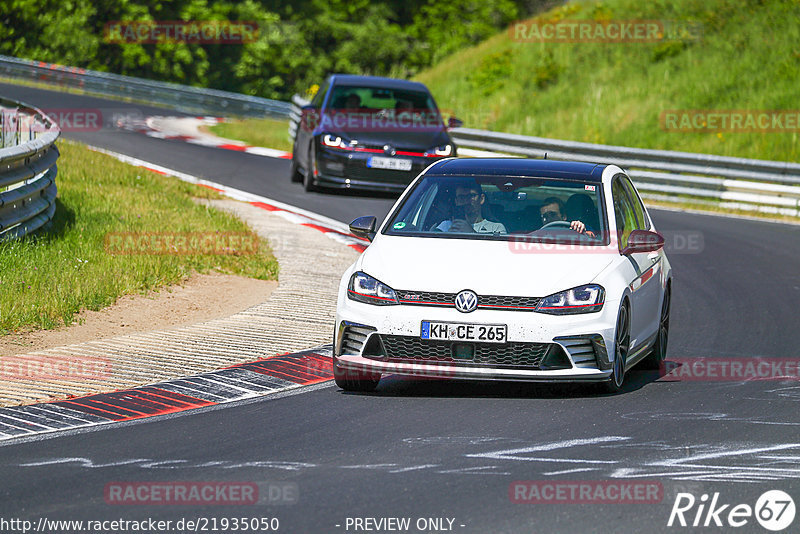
column 766, row 186
column 28, row 169
column 748, row 184
column 173, row 96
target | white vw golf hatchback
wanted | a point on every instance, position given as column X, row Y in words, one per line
column 506, row 269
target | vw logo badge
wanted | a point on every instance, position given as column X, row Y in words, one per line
column 466, row 301
column 389, row 149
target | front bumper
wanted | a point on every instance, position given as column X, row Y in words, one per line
column 346, row 170
column 581, row 344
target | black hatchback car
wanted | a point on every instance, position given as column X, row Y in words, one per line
column 368, row 132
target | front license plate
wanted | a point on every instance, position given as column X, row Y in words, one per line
column 394, row 164
column 482, row 333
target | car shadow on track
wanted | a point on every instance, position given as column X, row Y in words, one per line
column 360, row 193
column 399, row 386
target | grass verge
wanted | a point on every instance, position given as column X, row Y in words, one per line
column 270, row 133
column 47, row 278
column 747, row 58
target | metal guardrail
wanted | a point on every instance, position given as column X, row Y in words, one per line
column 28, row 169
column 174, row 96
column 749, row 184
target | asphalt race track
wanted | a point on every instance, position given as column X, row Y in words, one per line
column 424, row 449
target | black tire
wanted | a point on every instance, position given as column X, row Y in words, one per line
column 658, row 353
column 294, row 170
column 622, row 343
column 358, row 381
column 308, row 177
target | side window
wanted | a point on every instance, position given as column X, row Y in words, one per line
column 624, row 213
column 642, row 222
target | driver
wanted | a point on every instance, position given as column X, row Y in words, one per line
column 553, row 210
column 468, row 215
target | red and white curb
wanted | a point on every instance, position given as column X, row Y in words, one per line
column 235, row 383
column 332, row 228
column 187, row 129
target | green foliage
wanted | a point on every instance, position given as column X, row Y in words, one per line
column 546, row 72
column 299, row 42
column 492, row 72
column 714, row 55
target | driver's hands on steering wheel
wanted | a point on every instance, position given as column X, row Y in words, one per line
column 578, row 226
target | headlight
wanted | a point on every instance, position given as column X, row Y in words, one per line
column 583, row 299
column 333, row 141
column 444, row 150
column 364, row 288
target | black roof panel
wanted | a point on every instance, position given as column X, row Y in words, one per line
column 377, row 81
column 541, row 168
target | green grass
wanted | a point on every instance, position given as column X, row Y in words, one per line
column 47, row 278
column 614, row 93
column 270, row 133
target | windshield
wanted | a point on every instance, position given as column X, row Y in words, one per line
column 502, row 208
column 373, row 108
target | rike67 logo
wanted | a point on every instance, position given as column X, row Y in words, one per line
column 774, row 510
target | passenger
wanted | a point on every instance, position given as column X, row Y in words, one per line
column 468, row 213
column 552, row 210
column 580, row 206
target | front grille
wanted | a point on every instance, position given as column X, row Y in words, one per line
column 515, row 303
column 410, row 349
column 358, row 170
column 426, row 298
column 497, row 302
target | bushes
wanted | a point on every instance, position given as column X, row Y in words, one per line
column 300, row 42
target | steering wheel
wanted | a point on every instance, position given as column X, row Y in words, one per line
column 557, row 224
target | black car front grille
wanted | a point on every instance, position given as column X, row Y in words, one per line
column 497, row 302
column 426, row 298
column 358, row 170
column 410, row 349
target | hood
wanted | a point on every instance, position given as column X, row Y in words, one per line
column 413, row 138
column 486, row 267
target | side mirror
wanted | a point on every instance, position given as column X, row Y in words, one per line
column 453, row 122
column 643, row 241
column 364, row 227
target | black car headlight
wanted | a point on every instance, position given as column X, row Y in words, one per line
column 583, row 299
column 335, row 141
column 364, row 288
